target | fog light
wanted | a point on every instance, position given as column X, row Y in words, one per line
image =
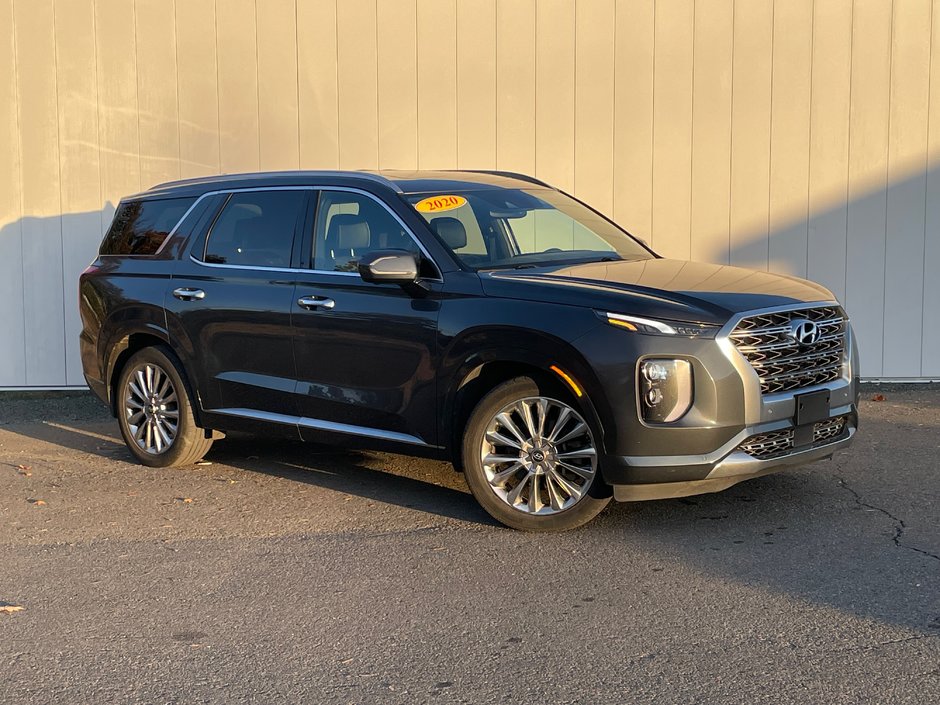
column 665, row 390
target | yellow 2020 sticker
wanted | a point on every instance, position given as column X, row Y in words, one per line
column 436, row 204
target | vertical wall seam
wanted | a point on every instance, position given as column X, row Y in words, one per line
column 456, row 85
column 218, row 83
column 19, row 155
column 923, row 292
column 613, row 133
column 297, row 77
column 456, row 74
column 848, row 159
column 496, row 82
column 574, row 108
column 731, row 137
column 692, row 129
column 94, row 38
column 418, row 89
column 887, row 175
column 258, row 83
column 176, row 69
column 339, row 129
column 535, row 96
column 378, row 112
column 809, row 134
column 58, row 146
column 770, row 134
column 613, row 126
column 137, row 97
column 652, row 232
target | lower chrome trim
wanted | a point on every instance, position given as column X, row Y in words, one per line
column 736, row 468
column 716, row 456
column 321, row 425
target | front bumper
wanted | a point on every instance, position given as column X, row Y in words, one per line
column 704, row 453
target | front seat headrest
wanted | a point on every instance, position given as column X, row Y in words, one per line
column 348, row 232
column 451, row 231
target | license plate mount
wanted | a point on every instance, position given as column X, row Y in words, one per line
column 811, row 407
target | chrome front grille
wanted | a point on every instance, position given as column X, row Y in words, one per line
column 774, row 444
column 783, row 364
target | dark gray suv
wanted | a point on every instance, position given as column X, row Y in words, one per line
column 484, row 318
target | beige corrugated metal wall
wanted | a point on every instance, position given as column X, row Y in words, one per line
column 794, row 135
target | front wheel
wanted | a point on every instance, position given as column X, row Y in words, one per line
column 531, row 459
column 155, row 412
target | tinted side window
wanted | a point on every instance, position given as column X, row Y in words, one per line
column 256, row 228
column 140, row 227
column 349, row 225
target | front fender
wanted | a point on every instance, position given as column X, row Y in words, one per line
column 471, row 350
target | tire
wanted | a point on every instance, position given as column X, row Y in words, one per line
column 157, row 370
column 559, row 460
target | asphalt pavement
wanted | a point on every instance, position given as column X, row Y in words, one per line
column 288, row 573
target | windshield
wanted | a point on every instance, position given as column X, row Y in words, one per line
column 497, row 228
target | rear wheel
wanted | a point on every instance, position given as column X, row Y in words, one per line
column 155, row 411
column 531, row 460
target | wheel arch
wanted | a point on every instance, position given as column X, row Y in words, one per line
column 131, row 340
column 471, row 371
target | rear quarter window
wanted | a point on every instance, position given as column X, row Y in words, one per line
column 140, row 227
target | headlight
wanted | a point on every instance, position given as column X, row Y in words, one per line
column 665, row 388
column 657, row 327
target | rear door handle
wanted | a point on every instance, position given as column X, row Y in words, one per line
column 185, row 293
column 315, row 303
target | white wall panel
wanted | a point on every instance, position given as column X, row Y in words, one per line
column 278, row 125
column 80, row 182
column 197, row 88
column 829, row 144
column 868, row 179
column 907, row 187
column 37, row 101
column 476, row 77
column 12, row 312
column 397, row 84
column 711, row 131
column 672, row 128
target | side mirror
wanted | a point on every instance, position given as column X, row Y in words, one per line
column 389, row 266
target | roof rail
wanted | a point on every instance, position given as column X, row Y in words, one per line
column 512, row 175
column 376, row 178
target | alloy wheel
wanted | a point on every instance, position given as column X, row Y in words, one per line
column 151, row 408
column 538, row 456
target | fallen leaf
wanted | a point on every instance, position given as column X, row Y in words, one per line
column 878, row 397
column 37, row 502
column 185, row 500
column 10, row 609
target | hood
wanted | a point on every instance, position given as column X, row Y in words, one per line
column 693, row 292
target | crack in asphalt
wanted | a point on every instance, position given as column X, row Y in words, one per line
column 889, row 642
column 899, row 525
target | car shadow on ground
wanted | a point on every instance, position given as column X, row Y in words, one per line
column 423, row 485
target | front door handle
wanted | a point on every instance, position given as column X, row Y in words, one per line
column 185, row 293
column 315, row 303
